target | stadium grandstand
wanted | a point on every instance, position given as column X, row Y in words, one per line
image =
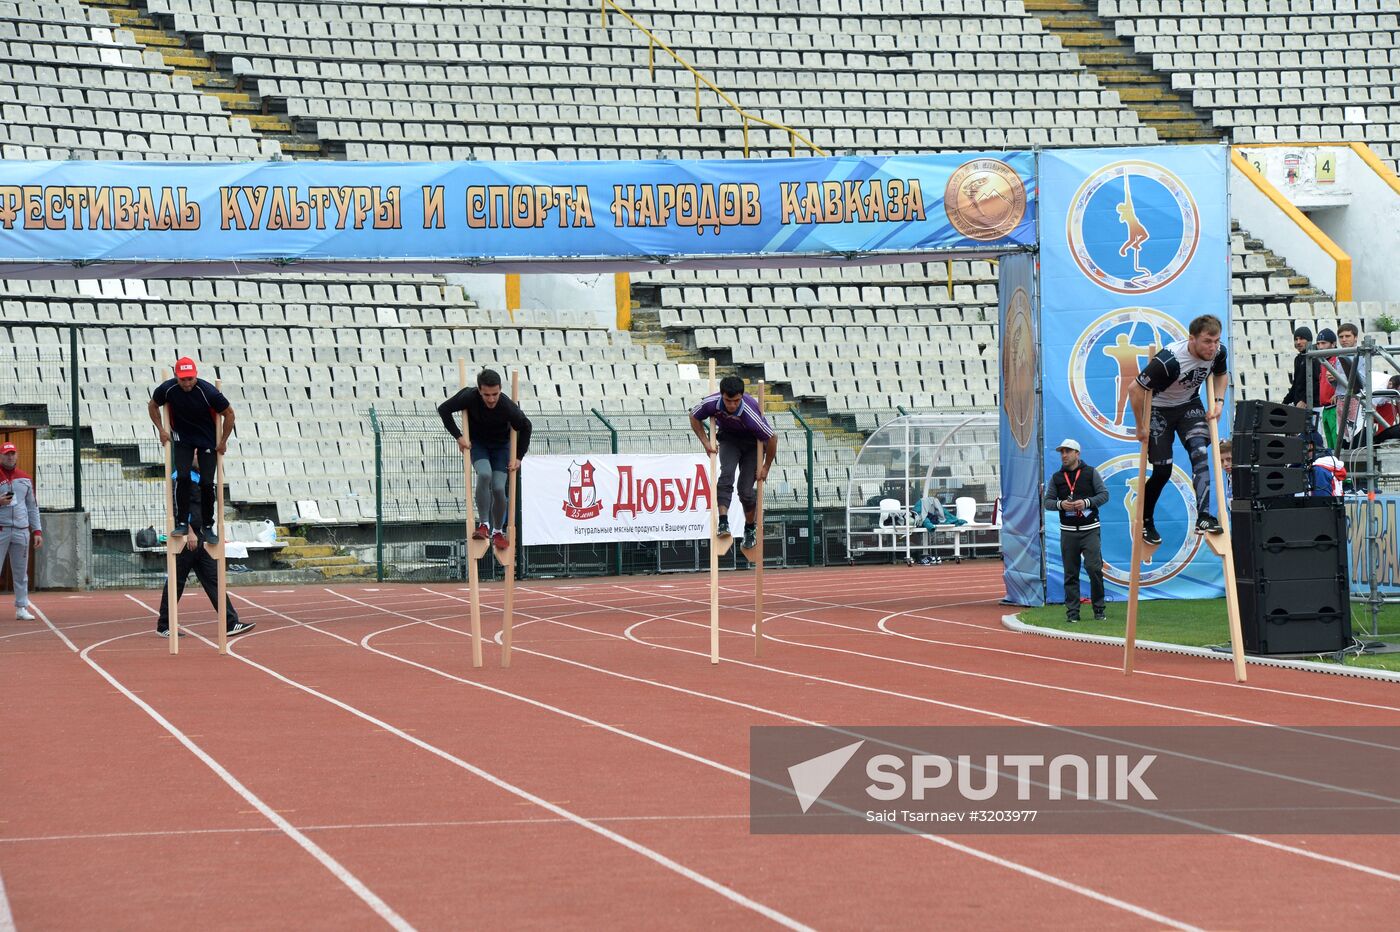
column 840, row 350
column 954, row 250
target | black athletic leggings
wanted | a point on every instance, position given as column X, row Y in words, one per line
column 182, row 459
column 1187, row 422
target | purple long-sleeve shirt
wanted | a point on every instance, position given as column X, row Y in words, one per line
column 747, row 420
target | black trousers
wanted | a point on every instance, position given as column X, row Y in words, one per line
column 182, row 465
column 737, row 454
column 207, row 571
column 1077, row 546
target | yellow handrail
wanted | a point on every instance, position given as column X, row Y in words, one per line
column 654, row 43
column 1342, row 287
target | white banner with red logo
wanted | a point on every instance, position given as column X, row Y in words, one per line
column 618, row 497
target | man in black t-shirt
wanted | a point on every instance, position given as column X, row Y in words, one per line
column 193, row 403
column 1174, row 378
column 490, row 417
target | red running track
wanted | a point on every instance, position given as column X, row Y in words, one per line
column 347, row 767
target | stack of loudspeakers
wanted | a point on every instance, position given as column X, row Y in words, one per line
column 1290, row 548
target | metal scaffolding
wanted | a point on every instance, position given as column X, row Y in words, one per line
column 1356, row 448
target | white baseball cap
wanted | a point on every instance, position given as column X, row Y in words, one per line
column 1069, row 443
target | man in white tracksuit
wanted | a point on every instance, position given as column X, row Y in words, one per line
column 19, row 515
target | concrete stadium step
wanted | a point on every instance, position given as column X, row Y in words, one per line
column 1081, row 38
column 358, row 569
column 302, row 146
column 156, row 32
column 185, row 58
column 268, row 123
column 319, row 562
column 207, row 81
column 646, row 328
column 155, row 38
column 124, row 13
column 1146, row 94
column 236, row 101
column 304, row 551
column 1114, row 61
column 1107, row 59
column 1303, row 290
column 324, row 561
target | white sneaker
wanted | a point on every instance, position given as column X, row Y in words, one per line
column 23, row 614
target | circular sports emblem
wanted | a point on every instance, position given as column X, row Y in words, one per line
column 1133, row 227
column 1107, row 358
column 985, row 199
column 1018, row 369
column 1175, row 520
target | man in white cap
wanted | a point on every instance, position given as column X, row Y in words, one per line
column 1077, row 491
column 19, row 517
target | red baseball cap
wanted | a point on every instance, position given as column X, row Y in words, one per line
column 184, row 368
column 8, row 448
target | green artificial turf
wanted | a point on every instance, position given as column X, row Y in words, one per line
column 1201, row 623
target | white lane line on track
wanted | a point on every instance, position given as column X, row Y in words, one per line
column 1264, row 842
column 1028, row 683
column 7, row 916
column 1023, row 869
column 86, row 624
column 353, row 883
column 636, row 847
column 883, row 625
column 366, row 826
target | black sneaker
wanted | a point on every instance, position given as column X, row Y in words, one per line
column 1072, row 619
column 165, row 633
column 1100, row 616
column 1206, row 523
column 241, row 627
column 723, row 530
column 211, row 536
column 750, row 537
column 1149, row 533
column 181, row 530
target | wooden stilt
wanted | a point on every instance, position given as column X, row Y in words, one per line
column 754, row 554
column 1223, row 545
column 1142, row 551
column 507, row 557
column 217, row 551
column 715, row 540
column 172, row 546
column 474, row 553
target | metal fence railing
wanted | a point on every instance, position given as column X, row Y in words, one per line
column 420, row 533
column 82, row 391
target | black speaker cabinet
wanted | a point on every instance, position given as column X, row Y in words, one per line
column 1268, row 481
column 1267, row 450
column 1294, row 616
column 1265, row 417
column 1289, row 538
column 1291, row 575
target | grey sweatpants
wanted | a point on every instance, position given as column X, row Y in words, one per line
column 14, row 546
column 490, row 492
column 1085, row 545
column 743, row 456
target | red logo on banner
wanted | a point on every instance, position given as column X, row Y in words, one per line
column 582, row 503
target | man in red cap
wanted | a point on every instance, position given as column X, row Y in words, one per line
column 19, row 516
column 193, row 403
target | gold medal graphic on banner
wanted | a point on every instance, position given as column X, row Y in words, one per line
column 985, row 199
